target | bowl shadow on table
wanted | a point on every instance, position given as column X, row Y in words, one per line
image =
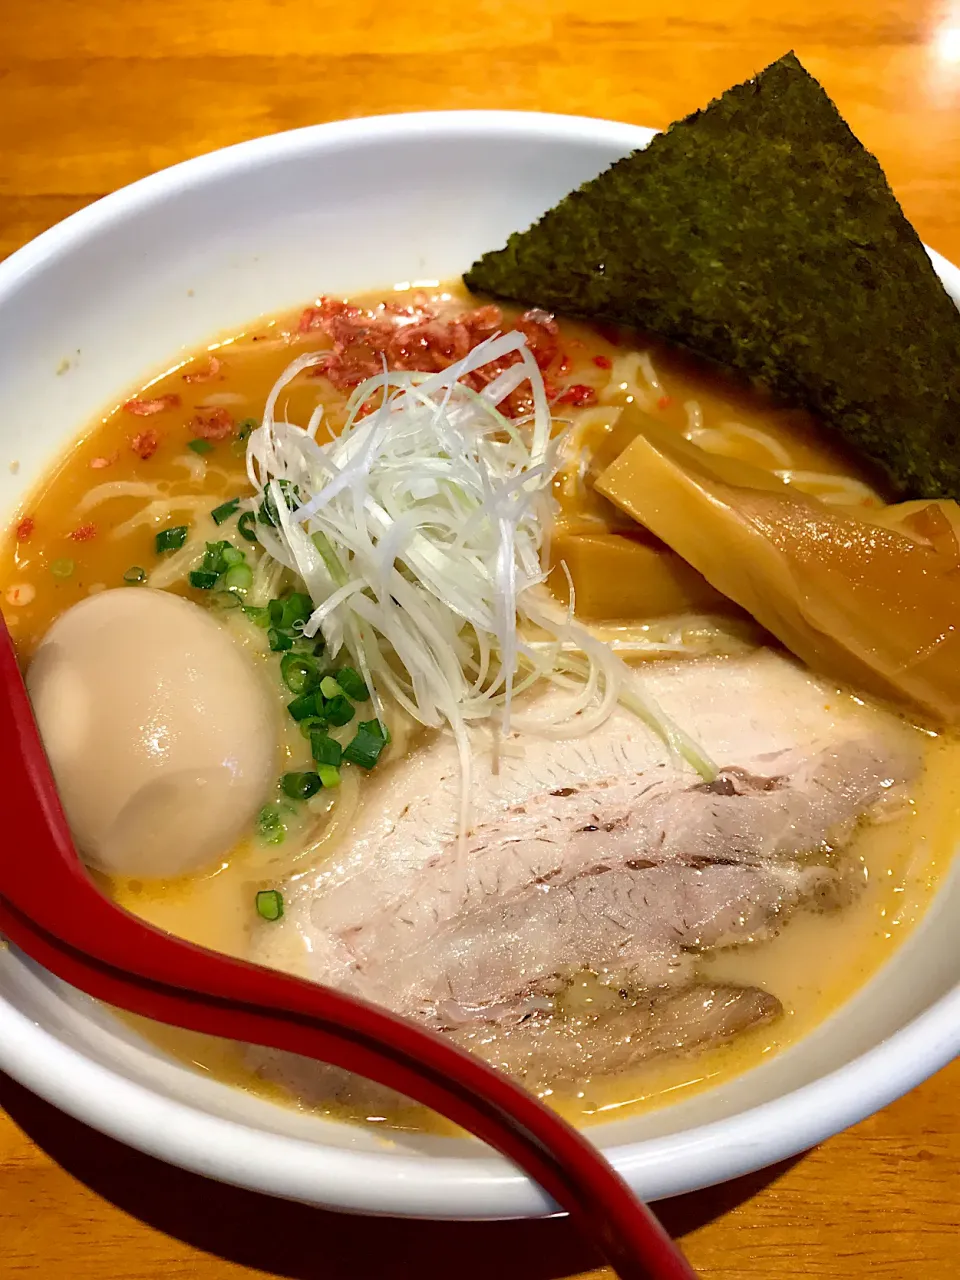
column 288, row 1240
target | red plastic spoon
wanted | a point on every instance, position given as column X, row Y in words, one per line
column 53, row 911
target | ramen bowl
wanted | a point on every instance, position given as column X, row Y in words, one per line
column 118, row 291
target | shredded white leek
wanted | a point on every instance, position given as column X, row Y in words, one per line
column 418, row 533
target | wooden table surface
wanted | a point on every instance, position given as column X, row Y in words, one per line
column 97, row 93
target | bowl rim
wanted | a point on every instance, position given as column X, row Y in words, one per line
column 422, row 1185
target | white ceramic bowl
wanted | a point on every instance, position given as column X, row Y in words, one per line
column 119, row 291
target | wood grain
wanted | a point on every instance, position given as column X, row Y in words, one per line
column 97, row 93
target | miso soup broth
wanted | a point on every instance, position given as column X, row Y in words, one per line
column 314, row 870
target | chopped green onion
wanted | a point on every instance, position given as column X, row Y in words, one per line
column 324, row 749
column 260, row 617
column 239, row 577
column 270, row 825
column 244, row 427
column 328, row 775
column 310, row 725
column 329, row 687
column 134, row 575
column 221, row 558
column 296, row 608
column 278, row 641
column 247, row 524
column 200, row 446
column 171, row 539
column 62, row 568
column 300, row 674
column 225, row 600
column 339, row 710
column 270, row 904
column 288, row 615
column 268, row 508
column 300, row 786
column 305, row 706
column 364, row 749
column 213, row 560
column 225, row 511
column 307, row 646
column 352, row 684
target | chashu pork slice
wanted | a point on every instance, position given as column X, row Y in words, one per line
column 546, row 1051
column 554, row 1055
column 601, row 852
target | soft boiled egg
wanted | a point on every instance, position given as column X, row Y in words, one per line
column 160, row 731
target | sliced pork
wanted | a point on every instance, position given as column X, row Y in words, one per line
column 545, row 1049
column 601, row 853
column 549, row 1052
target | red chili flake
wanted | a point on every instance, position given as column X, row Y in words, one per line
column 145, row 444
column 310, row 318
column 25, row 528
column 146, row 408
column 428, row 346
column 344, row 371
column 213, row 424
column 482, row 322
column 542, row 333
column 205, row 375
column 565, row 365
column 318, row 316
column 320, row 368
column 84, row 533
column 603, row 362
column 665, row 402
column 97, row 464
column 427, row 336
column 579, row 395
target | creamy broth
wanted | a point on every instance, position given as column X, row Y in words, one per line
column 817, row 960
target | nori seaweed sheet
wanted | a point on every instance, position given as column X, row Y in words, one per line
column 761, row 234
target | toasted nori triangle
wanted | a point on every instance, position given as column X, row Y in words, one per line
column 761, row 234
